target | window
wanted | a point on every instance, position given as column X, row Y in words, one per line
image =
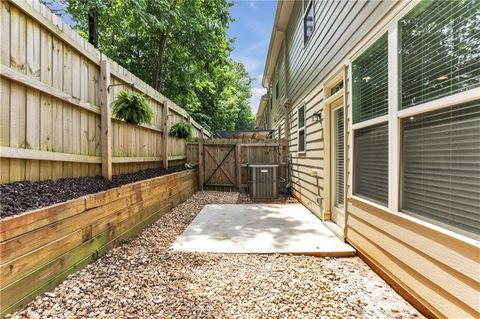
column 371, row 163
column 301, row 129
column 308, row 21
column 337, row 87
column 431, row 169
column 439, row 50
column 370, row 101
column 370, row 82
column 279, row 132
column 441, row 166
column 276, row 90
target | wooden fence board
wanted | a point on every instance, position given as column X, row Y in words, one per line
column 223, row 161
column 51, row 97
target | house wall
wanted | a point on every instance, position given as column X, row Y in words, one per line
column 309, row 66
column 437, row 270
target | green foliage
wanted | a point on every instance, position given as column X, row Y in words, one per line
column 181, row 130
column 189, row 165
column 179, row 47
column 133, row 108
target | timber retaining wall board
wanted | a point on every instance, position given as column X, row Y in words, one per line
column 41, row 248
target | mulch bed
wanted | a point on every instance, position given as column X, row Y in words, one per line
column 23, row 196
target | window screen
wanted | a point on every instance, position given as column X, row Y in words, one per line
column 441, row 166
column 439, row 50
column 371, row 163
column 370, row 82
column 308, row 22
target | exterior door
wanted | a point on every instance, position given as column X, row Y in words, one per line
column 337, row 166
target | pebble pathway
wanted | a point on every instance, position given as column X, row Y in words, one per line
column 143, row 279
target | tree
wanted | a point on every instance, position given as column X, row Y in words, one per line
column 180, row 47
column 87, row 12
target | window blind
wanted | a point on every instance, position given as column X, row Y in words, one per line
column 339, row 157
column 371, row 163
column 301, row 117
column 370, row 82
column 439, row 50
column 441, row 166
column 308, row 22
column 301, row 140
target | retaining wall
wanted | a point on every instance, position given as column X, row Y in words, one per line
column 40, row 248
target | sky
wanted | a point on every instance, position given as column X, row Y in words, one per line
column 252, row 28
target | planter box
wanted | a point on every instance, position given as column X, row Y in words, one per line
column 41, row 248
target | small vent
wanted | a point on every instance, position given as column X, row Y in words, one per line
column 263, row 181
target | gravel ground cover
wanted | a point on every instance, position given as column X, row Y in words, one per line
column 143, row 279
column 22, row 196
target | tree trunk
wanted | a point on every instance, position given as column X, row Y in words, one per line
column 162, row 42
column 160, row 62
column 93, row 27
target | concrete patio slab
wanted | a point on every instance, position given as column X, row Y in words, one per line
column 260, row 228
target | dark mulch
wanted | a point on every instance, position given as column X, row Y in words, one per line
column 22, row 196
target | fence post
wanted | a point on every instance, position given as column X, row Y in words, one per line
column 165, row 135
column 238, row 161
column 201, row 166
column 106, row 122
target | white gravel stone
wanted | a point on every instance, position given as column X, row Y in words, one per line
column 143, row 279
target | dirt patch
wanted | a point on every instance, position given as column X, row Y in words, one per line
column 283, row 199
column 23, row 196
column 144, row 279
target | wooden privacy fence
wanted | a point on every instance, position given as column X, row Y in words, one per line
column 55, row 117
column 222, row 163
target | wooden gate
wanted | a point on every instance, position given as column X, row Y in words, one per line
column 223, row 162
column 220, row 162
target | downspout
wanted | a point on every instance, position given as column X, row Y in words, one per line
column 287, row 98
column 287, row 109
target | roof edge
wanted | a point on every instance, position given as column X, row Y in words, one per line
column 282, row 17
column 261, row 110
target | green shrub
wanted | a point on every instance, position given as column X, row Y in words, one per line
column 189, row 165
column 181, row 130
column 133, row 108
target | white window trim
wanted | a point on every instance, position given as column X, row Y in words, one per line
column 305, row 43
column 302, row 129
column 339, row 76
column 371, row 122
column 394, row 117
column 393, row 121
column 462, row 97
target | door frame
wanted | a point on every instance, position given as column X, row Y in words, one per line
column 335, row 106
column 329, row 100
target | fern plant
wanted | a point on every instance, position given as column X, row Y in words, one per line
column 133, row 108
column 181, row 130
